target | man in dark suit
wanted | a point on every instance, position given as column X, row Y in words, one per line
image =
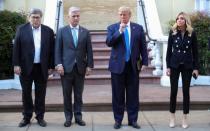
column 73, row 59
column 33, row 59
column 127, row 40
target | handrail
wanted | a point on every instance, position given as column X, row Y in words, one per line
column 58, row 17
column 142, row 7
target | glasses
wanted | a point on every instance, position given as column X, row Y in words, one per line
column 35, row 17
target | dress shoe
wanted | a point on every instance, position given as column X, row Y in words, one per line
column 184, row 122
column 80, row 122
column 67, row 123
column 42, row 122
column 172, row 120
column 134, row 125
column 117, row 125
column 24, row 122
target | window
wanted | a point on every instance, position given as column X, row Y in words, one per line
column 1, row 5
column 203, row 5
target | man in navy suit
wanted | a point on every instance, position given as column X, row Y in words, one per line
column 128, row 53
column 73, row 60
column 33, row 59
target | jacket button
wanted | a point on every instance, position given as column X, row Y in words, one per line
column 179, row 51
column 184, row 51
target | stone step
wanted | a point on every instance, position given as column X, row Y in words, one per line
column 100, row 69
column 99, row 98
column 101, row 51
column 103, row 79
column 101, row 60
column 98, row 37
column 100, row 107
column 99, row 44
column 103, row 69
column 106, row 79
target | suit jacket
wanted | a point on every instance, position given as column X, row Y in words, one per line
column 182, row 50
column 117, row 42
column 67, row 54
column 24, row 49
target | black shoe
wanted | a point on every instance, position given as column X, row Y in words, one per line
column 67, row 123
column 80, row 122
column 117, row 125
column 42, row 122
column 24, row 122
column 134, row 125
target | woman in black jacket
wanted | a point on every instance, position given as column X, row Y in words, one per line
column 181, row 57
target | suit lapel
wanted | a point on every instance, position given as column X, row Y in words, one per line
column 123, row 37
column 71, row 40
column 132, row 35
column 29, row 34
column 43, row 34
column 79, row 35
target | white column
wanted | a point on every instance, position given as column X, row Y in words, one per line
column 140, row 17
column 158, row 62
column 164, row 81
column 153, row 22
column 51, row 15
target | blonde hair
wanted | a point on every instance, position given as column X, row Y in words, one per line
column 187, row 23
column 124, row 8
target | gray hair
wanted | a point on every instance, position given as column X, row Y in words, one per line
column 74, row 9
column 35, row 11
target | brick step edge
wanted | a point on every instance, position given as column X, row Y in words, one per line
column 101, row 107
column 104, row 77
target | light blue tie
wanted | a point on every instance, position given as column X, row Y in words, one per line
column 74, row 34
column 127, row 44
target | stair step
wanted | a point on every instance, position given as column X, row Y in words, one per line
column 101, row 60
column 99, row 51
column 103, row 69
column 102, row 79
column 98, row 36
column 100, row 44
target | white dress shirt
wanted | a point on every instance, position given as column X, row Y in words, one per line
column 37, row 43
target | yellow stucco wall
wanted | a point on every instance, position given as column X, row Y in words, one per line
column 98, row 14
column 23, row 5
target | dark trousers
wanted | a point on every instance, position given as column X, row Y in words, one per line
column 40, row 83
column 73, row 81
column 186, row 79
column 125, row 91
